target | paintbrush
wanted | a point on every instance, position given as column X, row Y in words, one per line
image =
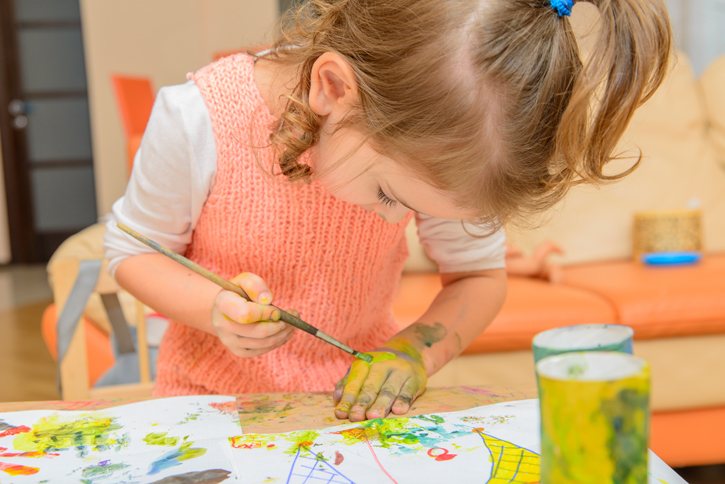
column 230, row 286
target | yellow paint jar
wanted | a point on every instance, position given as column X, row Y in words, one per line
column 594, row 418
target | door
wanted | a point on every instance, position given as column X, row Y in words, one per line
column 45, row 125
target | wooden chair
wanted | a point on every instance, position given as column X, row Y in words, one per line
column 69, row 292
column 135, row 99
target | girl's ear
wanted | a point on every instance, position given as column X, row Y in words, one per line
column 333, row 86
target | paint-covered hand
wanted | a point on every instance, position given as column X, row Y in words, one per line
column 249, row 328
column 394, row 379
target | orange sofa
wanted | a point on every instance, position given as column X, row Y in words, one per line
column 678, row 315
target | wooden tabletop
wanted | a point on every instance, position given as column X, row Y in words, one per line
column 267, row 413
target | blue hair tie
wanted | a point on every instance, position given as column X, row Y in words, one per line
column 562, row 7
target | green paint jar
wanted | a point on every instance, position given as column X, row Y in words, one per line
column 584, row 337
column 594, row 418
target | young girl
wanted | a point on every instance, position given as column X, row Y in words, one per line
column 295, row 172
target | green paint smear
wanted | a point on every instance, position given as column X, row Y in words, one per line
column 100, row 471
column 575, row 371
column 302, row 439
column 403, row 436
column 186, row 452
column 55, row 432
column 160, row 439
column 265, row 406
column 436, row 419
column 430, row 335
column 190, row 417
column 627, row 442
column 378, row 357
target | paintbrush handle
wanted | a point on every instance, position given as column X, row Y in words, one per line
column 230, row 286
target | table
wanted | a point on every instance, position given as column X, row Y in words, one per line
column 285, row 412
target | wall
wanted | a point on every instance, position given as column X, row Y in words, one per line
column 160, row 39
column 699, row 27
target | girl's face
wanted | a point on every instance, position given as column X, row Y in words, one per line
column 376, row 182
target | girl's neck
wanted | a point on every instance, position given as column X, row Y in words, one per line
column 274, row 80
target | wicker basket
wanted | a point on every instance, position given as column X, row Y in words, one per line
column 666, row 231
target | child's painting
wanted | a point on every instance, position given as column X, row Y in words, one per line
column 195, row 440
column 173, row 440
column 494, row 444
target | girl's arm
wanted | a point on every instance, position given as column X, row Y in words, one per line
column 465, row 306
column 170, row 289
column 184, row 296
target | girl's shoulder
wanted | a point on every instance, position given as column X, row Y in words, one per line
column 235, row 67
column 229, row 89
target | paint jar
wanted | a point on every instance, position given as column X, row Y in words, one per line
column 594, row 418
column 585, row 337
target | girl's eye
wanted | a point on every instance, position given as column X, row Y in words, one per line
column 384, row 199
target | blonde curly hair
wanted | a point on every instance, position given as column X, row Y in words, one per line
column 487, row 100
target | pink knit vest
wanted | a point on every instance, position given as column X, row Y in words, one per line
column 334, row 262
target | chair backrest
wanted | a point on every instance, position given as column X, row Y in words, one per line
column 74, row 364
column 135, row 98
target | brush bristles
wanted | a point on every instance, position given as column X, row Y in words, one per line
column 363, row 356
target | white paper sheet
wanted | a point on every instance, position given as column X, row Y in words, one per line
column 492, row 444
column 144, row 442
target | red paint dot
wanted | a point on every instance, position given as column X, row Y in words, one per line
column 440, row 454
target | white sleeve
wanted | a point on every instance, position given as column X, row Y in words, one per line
column 172, row 177
column 454, row 250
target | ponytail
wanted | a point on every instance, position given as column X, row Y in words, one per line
column 628, row 62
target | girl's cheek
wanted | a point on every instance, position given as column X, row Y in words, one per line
column 394, row 216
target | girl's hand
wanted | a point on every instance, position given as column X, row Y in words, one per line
column 394, row 379
column 249, row 328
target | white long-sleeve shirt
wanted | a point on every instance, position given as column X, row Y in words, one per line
column 174, row 173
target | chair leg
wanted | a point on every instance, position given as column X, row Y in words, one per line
column 74, row 368
column 142, row 345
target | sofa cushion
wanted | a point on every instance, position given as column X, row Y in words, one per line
column 675, row 386
column 531, row 306
column 659, row 302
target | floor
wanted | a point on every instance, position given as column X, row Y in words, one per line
column 30, row 370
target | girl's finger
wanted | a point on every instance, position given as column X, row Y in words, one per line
column 387, row 395
column 255, row 287
column 369, row 392
column 339, row 387
column 252, row 313
column 241, row 311
column 410, row 391
column 257, row 331
column 358, row 373
column 266, row 342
